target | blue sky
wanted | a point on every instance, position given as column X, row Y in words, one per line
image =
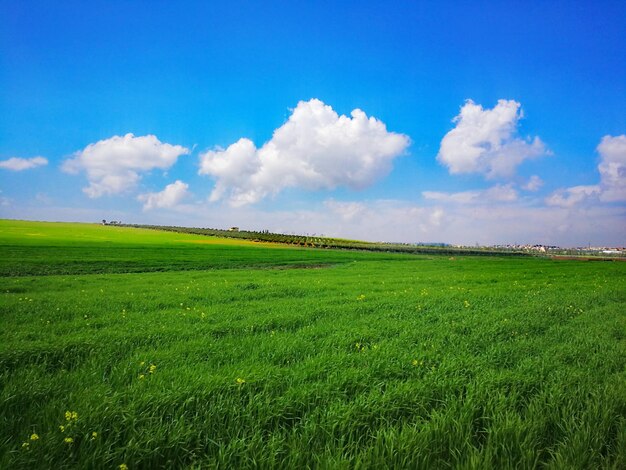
column 200, row 76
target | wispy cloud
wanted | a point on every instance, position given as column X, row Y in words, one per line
column 387, row 220
column 21, row 164
column 572, row 196
column 4, row 201
column 533, row 184
column 497, row 193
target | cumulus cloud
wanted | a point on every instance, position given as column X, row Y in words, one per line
column 315, row 149
column 486, row 141
column 497, row 193
column 533, row 184
column 115, row 165
column 612, row 169
column 20, row 164
column 171, row 196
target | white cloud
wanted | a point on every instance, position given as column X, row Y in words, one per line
column 520, row 223
column 382, row 220
column 570, row 197
column 171, row 196
column 486, row 141
column 20, row 164
column 600, row 225
column 496, row 223
column 497, row 193
column 533, row 184
column 612, row 168
column 315, row 149
column 612, row 185
column 506, row 222
column 114, row 165
column 346, row 210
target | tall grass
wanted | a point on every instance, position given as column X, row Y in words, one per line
column 365, row 361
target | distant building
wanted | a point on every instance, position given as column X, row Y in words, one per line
column 233, row 229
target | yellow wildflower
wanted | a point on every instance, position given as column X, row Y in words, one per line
column 414, row 362
column 94, row 435
column 141, row 376
column 123, row 466
column 62, row 428
column 152, row 368
column 240, row 380
column 34, row 437
column 68, row 440
column 25, row 445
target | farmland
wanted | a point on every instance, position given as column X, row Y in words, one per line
column 152, row 349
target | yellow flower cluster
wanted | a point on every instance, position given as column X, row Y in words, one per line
column 150, row 370
column 362, row 347
column 240, row 381
column 71, row 417
column 33, row 437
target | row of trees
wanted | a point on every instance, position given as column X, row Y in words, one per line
column 334, row 243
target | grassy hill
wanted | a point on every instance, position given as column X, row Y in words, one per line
column 166, row 350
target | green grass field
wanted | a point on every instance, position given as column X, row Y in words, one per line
column 181, row 351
